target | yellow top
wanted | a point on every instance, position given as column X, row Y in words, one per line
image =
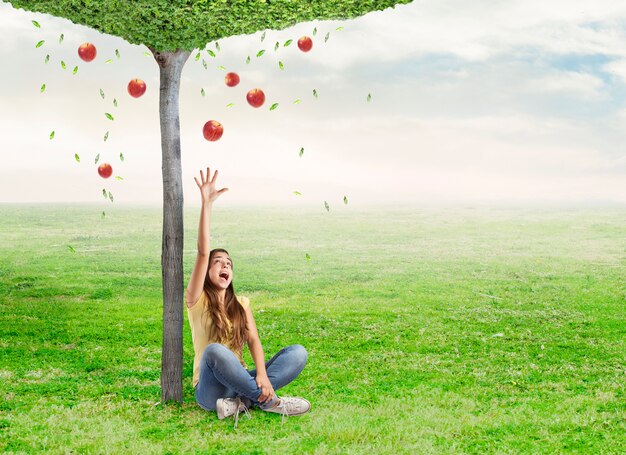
column 200, row 335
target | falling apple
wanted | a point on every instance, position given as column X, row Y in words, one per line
column 212, row 130
column 256, row 97
column 87, row 52
column 136, row 88
column 305, row 44
column 105, row 170
column 231, row 79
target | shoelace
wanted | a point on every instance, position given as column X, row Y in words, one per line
column 239, row 409
column 285, row 409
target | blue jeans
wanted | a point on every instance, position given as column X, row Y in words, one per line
column 222, row 376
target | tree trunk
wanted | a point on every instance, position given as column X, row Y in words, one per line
column 171, row 66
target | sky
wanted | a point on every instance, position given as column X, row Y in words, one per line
column 482, row 102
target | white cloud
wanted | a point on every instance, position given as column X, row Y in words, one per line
column 578, row 84
column 478, row 31
column 616, row 68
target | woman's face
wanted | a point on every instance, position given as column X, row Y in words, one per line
column 221, row 270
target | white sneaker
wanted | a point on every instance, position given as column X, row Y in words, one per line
column 227, row 407
column 290, row 406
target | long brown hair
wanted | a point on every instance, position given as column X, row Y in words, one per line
column 221, row 314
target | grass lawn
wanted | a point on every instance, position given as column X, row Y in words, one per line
column 428, row 330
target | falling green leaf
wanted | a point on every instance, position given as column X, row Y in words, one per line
column 230, row 104
column 204, row 64
column 217, row 46
column 36, row 24
column 75, row 70
column 147, row 54
column 262, row 36
column 369, row 97
column 260, row 53
column 273, row 106
column 345, row 200
column 327, row 36
column 71, row 249
column 301, row 152
column 248, row 60
column 298, row 101
column 63, row 64
column 43, row 88
column 326, row 206
column 40, row 43
column 288, row 42
column 77, row 157
column 211, row 53
column 109, row 116
column 102, row 215
column 52, row 135
column 307, row 257
column 110, row 60
column 221, row 67
column 114, row 102
column 102, row 93
column 104, row 193
column 117, row 53
column 110, row 196
column 315, row 31
column 197, row 56
column 106, row 136
column 339, row 29
column 97, row 159
column 117, row 177
column 276, row 46
column 202, row 92
column 121, row 157
column 315, row 93
column 297, row 193
column 47, row 58
column 61, row 38
column 281, row 66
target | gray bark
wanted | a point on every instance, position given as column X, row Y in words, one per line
column 171, row 66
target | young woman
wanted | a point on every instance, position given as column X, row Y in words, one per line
column 221, row 323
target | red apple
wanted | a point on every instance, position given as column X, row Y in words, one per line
column 256, row 97
column 136, row 88
column 105, row 170
column 87, row 52
column 305, row 44
column 231, row 79
column 212, row 130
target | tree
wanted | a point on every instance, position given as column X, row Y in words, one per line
column 172, row 30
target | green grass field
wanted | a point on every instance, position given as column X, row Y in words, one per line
column 428, row 331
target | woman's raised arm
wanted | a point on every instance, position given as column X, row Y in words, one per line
column 209, row 194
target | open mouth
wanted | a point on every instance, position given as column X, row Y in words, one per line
column 224, row 275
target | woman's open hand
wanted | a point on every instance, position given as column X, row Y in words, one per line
column 207, row 186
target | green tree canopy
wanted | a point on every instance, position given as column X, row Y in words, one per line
column 170, row 25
